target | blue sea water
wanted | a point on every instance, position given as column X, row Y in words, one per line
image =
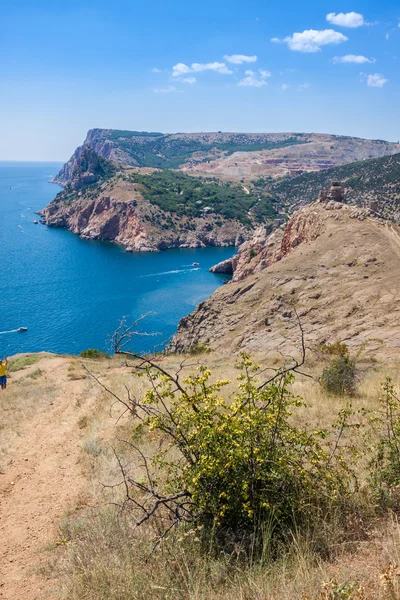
column 71, row 293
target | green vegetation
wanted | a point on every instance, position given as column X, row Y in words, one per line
column 339, row 377
column 195, row 197
column 22, row 362
column 237, row 467
column 375, row 179
column 385, row 463
column 117, row 134
column 239, row 491
column 94, row 353
column 200, row 348
column 106, row 169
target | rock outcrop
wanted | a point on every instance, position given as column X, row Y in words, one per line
column 84, row 168
column 335, row 267
column 265, row 248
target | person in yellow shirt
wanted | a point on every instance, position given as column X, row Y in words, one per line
column 3, row 373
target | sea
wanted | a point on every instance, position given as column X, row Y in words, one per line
column 71, row 293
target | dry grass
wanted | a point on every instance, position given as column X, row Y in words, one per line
column 101, row 557
column 22, row 362
column 98, row 555
column 105, row 560
column 23, row 396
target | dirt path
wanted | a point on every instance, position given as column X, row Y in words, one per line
column 40, row 482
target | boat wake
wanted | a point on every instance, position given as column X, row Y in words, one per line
column 173, row 272
column 19, row 329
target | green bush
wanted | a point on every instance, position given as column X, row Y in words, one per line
column 94, row 353
column 200, row 348
column 239, row 465
column 385, row 462
column 336, row 349
column 339, row 377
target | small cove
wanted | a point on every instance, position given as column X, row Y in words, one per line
column 71, row 293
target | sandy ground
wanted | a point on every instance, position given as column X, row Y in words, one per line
column 40, row 479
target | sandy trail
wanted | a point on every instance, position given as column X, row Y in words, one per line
column 40, row 482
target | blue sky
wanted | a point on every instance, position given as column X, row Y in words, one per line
column 67, row 66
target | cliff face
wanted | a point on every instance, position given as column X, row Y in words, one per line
column 116, row 211
column 335, row 266
column 265, row 248
column 84, row 168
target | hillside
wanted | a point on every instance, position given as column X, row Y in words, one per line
column 64, row 533
column 336, row 266
column 149, row 209
column 375, row 180
column 227, row 155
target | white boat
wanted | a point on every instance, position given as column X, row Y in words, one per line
column 195, row 264
column 21, row 329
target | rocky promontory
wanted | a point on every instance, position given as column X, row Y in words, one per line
column 335, row 267
column 116, row 210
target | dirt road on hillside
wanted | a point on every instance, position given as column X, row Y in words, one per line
column 40, row 480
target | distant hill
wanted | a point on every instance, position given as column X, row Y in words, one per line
column 231, row 156
column 376, row 179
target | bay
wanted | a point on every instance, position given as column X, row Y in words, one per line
column 71, row 293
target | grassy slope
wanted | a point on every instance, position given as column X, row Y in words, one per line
column 98, row 556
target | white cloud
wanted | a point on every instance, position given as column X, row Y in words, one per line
column 215, row 66
column 351, row 19
column 255, row 79
column 190, row 80
column 352, row 58
column 376, row 80
column 166, row 90
column 285, row 86
column 239, row 59
column 311, row 40
column 276, row 40
column 155, row 70
column 181, row 69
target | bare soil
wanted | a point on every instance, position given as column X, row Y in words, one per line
column 40, row 478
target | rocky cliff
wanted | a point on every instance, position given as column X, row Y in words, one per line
column 116, row 210
column 335, row 267
column 267, row 246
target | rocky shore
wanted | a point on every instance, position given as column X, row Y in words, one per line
column 117, row 212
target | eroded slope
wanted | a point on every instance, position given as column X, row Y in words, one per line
column 337, row 267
